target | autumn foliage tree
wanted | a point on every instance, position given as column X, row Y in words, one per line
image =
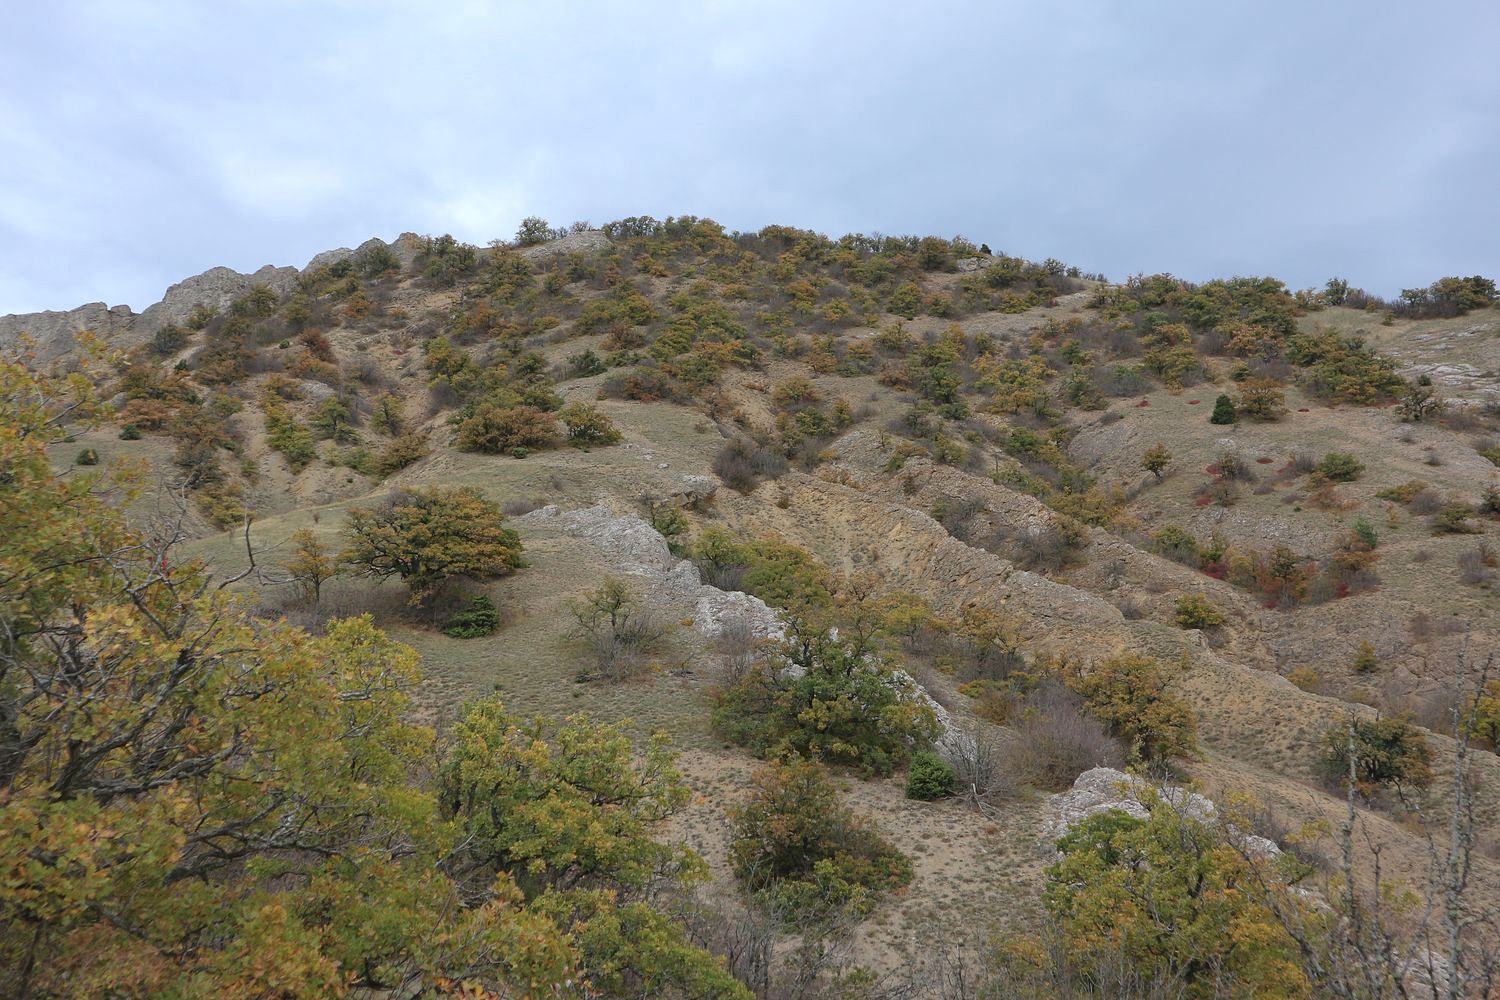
column 1173, row 901
column 428, row 536
column 311, row 565
column 1128, row 693
column 197, row 802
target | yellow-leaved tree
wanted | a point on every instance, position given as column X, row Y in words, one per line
column 195, row 802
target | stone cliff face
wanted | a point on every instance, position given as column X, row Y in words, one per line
column 54, row 333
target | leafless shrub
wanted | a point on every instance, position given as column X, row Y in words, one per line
column 1427, row 501
column 340, row 599
column 616, row 630
column 1122, row 380
column 1056, row 742
column 262, row 362
column 739, row 648
column 1046, row 547
column 1233, row 467
column 980, row 772
column 742, row 464
column 957, row 515
column 1459, row 417
column 518, row 506
column 1475, row 565
column 744, row 936
column 1300, row 464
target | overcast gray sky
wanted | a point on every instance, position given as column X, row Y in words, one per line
column 144, row 141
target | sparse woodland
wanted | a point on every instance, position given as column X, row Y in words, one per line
column 309, row 687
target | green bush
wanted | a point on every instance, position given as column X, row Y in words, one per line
column 286, row 434
column 797, row 847
column 1224, row 412
column 478, row 619
column 1388, row 752
column 1453, row 519
column 1340, row 467
column 931, row 777
column 848, row 705
column 1196, row 611
column 87, row 456
column 130, row 432
column 587, row 426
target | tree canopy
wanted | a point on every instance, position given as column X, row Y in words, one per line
column 428, row 536
column 196, row 802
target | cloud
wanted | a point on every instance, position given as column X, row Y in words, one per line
column 149, row 140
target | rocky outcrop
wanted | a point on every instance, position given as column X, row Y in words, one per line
column 1102, row 789
column 54, row 334
column 584, row 242
column 635, row 548
column 216, row 288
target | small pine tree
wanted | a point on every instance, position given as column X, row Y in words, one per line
column 931, row 777
column 1365, row 661
column 478, row 619
column 1223, row 411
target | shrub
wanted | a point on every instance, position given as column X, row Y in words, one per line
column 930, row 777
column 168, row 339
column 334, row 421
column 493, row 429
column 130, row 432
column 311, row 564
column 478, row 619
column 1224, row 412
column 1174, row 543
column 386, row 415
column 805, row 853
column 1050, row 546
column 443, row 260
column 1365, row 660
column 286, row 434
column 1128, row 694
column 587, row 426
column 742, row 464
column 1388, row 752
column 1056, row 741
column 847, row 706
column 1341, row 467
column 1162, row 907
column 618, row 632
column 1453, row 519
column 1156, row 460
column 403, row 450
column 88, row 456
column 1196, row 611
column 1260, row 399
column 428, row 536
column 1474, row 565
